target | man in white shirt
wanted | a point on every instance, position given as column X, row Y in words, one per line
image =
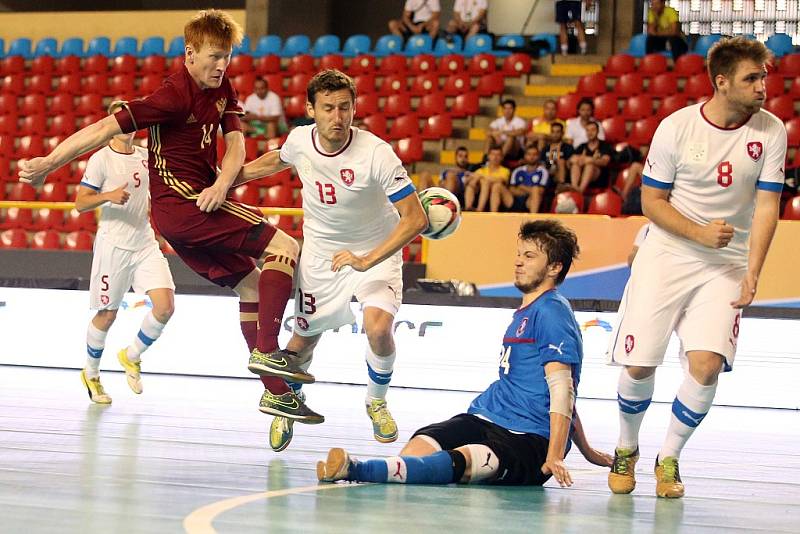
column 507, row 132
column 263, row 111
column 711, row 189
column 576, row 126
column 469, row 17
column 418, row 16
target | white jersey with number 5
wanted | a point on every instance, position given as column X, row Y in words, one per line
column 713, row 173
column 347, row 195
column 126, row 227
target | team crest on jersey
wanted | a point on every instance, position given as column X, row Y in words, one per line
column 104, row 300
column 302, row 323
column 629, row 343
column 754, row 150
column 521, row 327
column 348, row 176
column 221, row 105
column 697, row 152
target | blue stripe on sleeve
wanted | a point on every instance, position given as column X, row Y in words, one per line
column 775, row 187
column 646, row 180
column 403, row 193
column 90, row 186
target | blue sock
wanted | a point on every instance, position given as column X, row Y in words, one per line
column 436, row 468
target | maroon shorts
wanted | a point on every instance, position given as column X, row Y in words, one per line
column 221, row 246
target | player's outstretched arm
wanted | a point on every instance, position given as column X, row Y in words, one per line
column 35, row 171
column 89, row 199
column 656, row 207
column 264, row 165
column 562, row 401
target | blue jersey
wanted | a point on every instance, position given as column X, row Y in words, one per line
column 536, row 177
column 541, row 332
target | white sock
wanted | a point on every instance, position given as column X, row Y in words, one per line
column 379, row 372
column 633, row 398
column 564, row 49
column 688, row 409
column 583, row 47
column 95, row 343
column 150, row 331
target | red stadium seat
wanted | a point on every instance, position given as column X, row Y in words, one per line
column 794, row 88
column 61, row 103
column 396, row 105
column 404, row 126
column 491, row 84
column 377, row 125
column 295, row 106
column 246, row 194
column 7, row 145
column 8, row 104
column 33, row 125
column 301, row 64
column 70, row 84
column 89, row 105
column 363, row 64
column 671, row 104
column 30, row 146
column 451, row 64
column 566, row 105
column 149, row 83
column 392, row 64
column 423, row 63
column 34, row 104
column 240, row 64
column 250, row 148
column 409, row 150
column 774, row 86
column 76, row 220
column 466, row 105
column 790, row 66
column 698, row 86
column 791, row 210
column 576, row 197
column 437, row 127
column 457, row 84
column 663, row 85
column 62, row 174
column 123, row 65
column 122, row 85
column 782, row 106
column 393, row 84
column 22, row 192
column 270, row 64
column 244, row 83
column 78, row 241
column 366, row 104
column 482, row 64
column 12, row 65
column 53, row 192
column 154, row 64
column 365, row 84
column 14, row 238
column 606, row 203
column 591, row 85
column 431, row 104
column 13, row 84
column 620, row 64
column 424, row 84
column 47, row 219
column 793, row 132
column 41, row 84
column 43, row 65
column 298, row 84
column 175, row 65
column 517, row 64
column 331, row 61
column 68, row 65
column 95, row 65
column 629, row 85
column 17, row 218
column 638, row 107
column 652, row 65
column 278, row 196
column 689, row 64
column 8, row 124
column 614, row 128
column 643, row 130
column 605, row 106
column 95, row 84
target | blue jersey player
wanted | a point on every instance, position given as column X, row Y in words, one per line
column 518, row 430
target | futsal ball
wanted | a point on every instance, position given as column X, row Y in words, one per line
column 443, row 211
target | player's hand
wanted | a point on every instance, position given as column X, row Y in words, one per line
column 593, row 456
column 345, row 257
column 749, row 286
column 211, row 198
column 118, row 196
column 33, row 171
column 559, row 471
column 716, row 234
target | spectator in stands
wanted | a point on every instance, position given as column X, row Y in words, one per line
column 664, row 30
column 508, row 132
column 557, row 153
column 263, row 111
column 589, row 164
column 525, row 189
column 576, row 127
column 568, row 12
column 418, row 16
column 469, row 18
column 484, row 179
column 539, row 133
column 452, row 178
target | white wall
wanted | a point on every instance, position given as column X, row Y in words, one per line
column 508, row 16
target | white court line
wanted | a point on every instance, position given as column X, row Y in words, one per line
column 199, row 521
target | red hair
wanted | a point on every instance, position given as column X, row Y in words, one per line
column 214, row 27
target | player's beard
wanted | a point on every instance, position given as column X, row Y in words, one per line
column 534, row 284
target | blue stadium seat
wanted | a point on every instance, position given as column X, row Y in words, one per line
column 388, row 44
column 419, row 44
column 356, row 45
column 552, row 41
column 326, row 44
column 512, row 40
column 152, row 46
column 638, row 45
column 46, row 47
column 72, row 47
column 780, row 44
column 478, row 44
column 2, row 48
column 296, row 45
column 20, row 47
column 176, row 47
column 99, row 46
column 453, row 45
column 244, row 47
column 126, row 46
column 267, row 45
column 704, row 43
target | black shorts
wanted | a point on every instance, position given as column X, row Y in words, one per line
column 521, row 456
column 568, row 11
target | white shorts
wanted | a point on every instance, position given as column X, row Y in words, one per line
column 116, row 270
column 667, row 293
column 322, row 301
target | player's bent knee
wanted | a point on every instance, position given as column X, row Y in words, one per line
column 282, row 244
column 482, row 463
column 104, row 319
column 639, row 373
